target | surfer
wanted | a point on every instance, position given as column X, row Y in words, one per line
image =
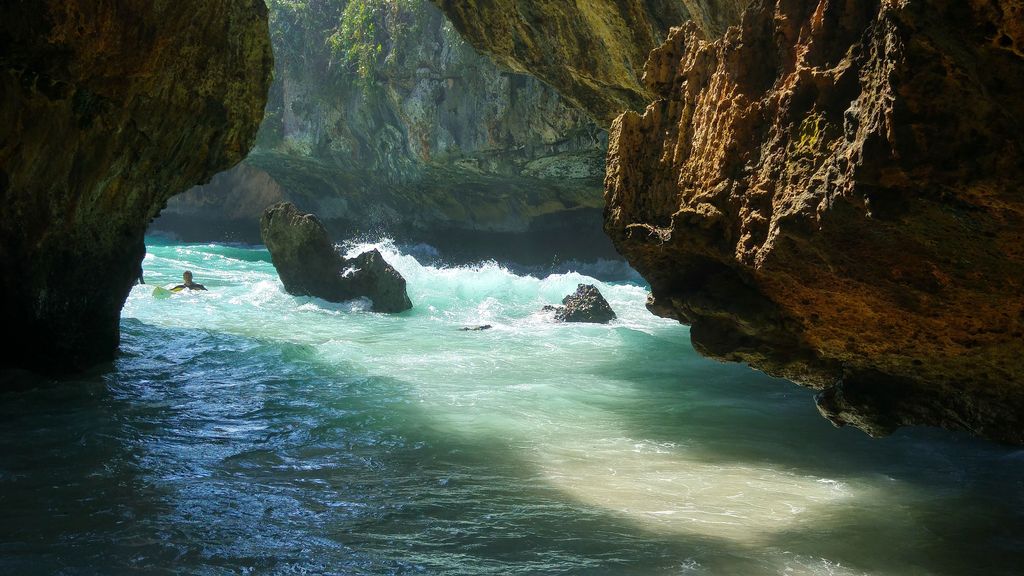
column 189, row 284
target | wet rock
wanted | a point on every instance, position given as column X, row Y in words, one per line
column 107, row 109
column 309, row 265
column 368, row 274
column 586, row 304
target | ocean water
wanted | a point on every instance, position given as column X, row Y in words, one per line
column 247, row 431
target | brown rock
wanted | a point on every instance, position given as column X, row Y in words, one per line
column 832, row 193
column 107, row 110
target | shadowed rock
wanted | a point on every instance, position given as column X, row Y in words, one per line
column 309, row 265
column 107, row 109
column 586, row 304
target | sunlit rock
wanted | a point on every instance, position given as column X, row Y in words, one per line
column 827, row 191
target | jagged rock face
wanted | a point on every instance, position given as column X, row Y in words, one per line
column 309, row 265
column 832, row 192
column 418, row 139
column 592, row 52
column 107, row 110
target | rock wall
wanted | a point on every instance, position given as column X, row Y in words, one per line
column 382, row 119
column 832, row 192
column 592, row 52
column 106, row 110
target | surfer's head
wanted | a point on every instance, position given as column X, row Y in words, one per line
column 187, row 276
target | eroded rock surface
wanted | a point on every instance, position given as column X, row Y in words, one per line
column 309, row 265
column 106, row 110
column 832, row 192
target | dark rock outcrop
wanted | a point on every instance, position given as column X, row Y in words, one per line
column 368, row 274
column 586, row 304
column 309, row 265
column 830, row 191
column 107, row 109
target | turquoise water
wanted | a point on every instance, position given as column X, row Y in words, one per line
column 246, row 431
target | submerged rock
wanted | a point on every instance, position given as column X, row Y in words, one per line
column 107, row 109
column 586, row 304
column 309, row 265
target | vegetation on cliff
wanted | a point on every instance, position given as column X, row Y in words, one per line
column 379, row 106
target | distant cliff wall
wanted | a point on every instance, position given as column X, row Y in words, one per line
column 383, row 120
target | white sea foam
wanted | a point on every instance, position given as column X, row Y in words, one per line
column 613, row 417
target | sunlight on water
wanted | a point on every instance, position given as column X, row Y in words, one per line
column 260, row 424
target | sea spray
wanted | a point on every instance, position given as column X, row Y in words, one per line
column 246, row 430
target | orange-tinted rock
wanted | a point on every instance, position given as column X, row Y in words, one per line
column 106, row 110
column 833, row 192
column 830, row 191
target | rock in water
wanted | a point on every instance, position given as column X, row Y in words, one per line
column 370, row 275
column 303, row 255
column 309, row 265
column 586, row 304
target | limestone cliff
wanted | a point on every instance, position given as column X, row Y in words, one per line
column 832, row 192
column 382, row 119
column 106, row 110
